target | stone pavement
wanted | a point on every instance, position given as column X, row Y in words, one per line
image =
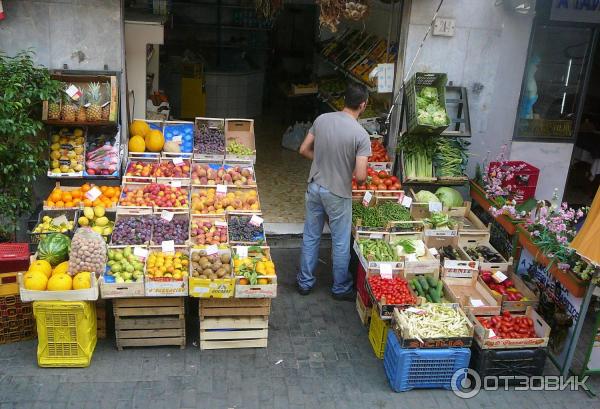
column 319, row 356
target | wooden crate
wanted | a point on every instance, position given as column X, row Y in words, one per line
column 101, row 319
column 234, row 323
column 152, row 321
column 364, row 313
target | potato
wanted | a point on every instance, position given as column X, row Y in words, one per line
column 195, row 257
column 208, row 272
column 225, row 258
column 220, row 272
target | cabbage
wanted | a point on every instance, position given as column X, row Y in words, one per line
column 425, row 196
column 440, row 118
column 449, row 197
column 429, row 93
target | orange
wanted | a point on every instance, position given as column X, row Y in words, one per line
column 56, row 195
column 76, row 194
column 87, row 203
column 69, row 204
column 66, row 197
column 85, row 187
column 60, row 203
column 76, row 201
column 51, row 203
column 96, row 202
column 103, row 188
column 110, row 192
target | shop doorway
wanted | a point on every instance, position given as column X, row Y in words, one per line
column 584, row 174
column 281, row 69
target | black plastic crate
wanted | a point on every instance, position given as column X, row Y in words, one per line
column 507, row 362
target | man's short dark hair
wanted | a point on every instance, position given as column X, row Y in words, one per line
column 355, row 95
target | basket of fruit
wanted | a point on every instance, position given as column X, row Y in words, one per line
column 67, row 146
column 54, row 221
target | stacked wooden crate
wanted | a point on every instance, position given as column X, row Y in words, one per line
column 234, row 323
column 149, row 321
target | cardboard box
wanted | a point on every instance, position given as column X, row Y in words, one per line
column 472, row 295
column 242, row 132
column 467, row 221
column 257, row 290
column 542, row 330
column 441, row 342
column 87, row 294
column 386, row 311
column 215, row 123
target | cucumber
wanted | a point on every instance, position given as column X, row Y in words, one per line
column 423, row 283
column 439, row 288
column 432, row 281
column 418, row 288
column 428, row 297
column 434, row 295
column 412, row 284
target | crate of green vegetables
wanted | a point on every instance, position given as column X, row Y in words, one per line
column 433, row 326
column 426, row 103
column 376, row 216
column 417, row 258
column 478, row 248
column 430, row 289
column 373, row 251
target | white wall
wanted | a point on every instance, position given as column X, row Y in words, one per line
column 137, row 35
column 486, row 55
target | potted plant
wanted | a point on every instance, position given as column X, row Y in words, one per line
column 24, row 86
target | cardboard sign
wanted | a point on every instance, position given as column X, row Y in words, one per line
column 476, row 302
column 140, row 252
column 435, row 206
column 221, row 189
column 93, row 194
column 212, row 249
column 168, row 246
column 499, row 276
column 176, row 183
column 367, row 198
column 220, row 223
column 433, row 251
column 406, row 201
column 177, row 161
column 385, row 270
column 167, row 215
column 256, row 220
column 242, row 251
column 376, row 236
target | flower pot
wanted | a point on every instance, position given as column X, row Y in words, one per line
column 528, row 244
column 478, row 195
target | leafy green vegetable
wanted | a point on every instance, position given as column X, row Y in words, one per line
column 425, row 196
column 450, row 157
column 438, row 220
column 449, row 197
column 429, row 109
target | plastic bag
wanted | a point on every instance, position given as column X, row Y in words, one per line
column 294, row 135
column 88, row 252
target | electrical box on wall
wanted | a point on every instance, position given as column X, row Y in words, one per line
column 444, row 27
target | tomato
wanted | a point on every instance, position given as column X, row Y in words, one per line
column 383, row 174
column 388, row 182
column 394, row 179
column 362, row 187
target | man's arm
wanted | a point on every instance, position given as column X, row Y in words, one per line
column 360, row 169
column 307, row 148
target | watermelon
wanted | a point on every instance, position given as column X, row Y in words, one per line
column 54, row 248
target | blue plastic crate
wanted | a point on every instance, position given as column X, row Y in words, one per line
column 408, row 369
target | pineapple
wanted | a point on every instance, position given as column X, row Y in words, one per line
column 81, row 114
column 106, row 107
column 94, row 111
column 68, row 111
column 54, row 110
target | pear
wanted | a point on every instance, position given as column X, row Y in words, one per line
column 99, row 211
column 88, row 212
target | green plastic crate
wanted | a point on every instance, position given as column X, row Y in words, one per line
column 412, row 88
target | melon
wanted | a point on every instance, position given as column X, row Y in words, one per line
column 138, row 127
column 62, row 268
column 54, row 248
column 42, row 266
column 154, row 140
column 137, row 144
column 35, row 280
column 82, row 281
column 60, row 282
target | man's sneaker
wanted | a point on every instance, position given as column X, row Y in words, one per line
column 349, row 296
column 303, row 291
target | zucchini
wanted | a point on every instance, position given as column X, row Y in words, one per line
column 434, row 295
column 428, row 297
column 423, row 283
column 419, row 289
column 432, row 281
column 439, row 288
column 412, row 284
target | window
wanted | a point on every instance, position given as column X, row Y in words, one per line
column 552, row 82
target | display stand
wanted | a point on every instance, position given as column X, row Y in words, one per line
column 591, row 366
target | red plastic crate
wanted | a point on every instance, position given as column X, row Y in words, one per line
column 14, row 257
column 361, row 288
column 523, row 182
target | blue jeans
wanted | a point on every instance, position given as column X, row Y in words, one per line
column 321, row 202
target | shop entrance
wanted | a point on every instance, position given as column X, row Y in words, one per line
column 584, row 176
column 281, row 68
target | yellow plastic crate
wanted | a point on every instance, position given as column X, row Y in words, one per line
column 66, row 332
column 378, row 329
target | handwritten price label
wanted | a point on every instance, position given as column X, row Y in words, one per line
column 435, row 207
column 93, row 194
column 167, row 215
column 212, row 249
column 177, row 161
column 140, row 252
column 406, row 201
column 176, row 183
column 367, row 198
column 220, row 223
column 256, row 220
column 221, row 189
column 385, row 270
column 242, row 251
column 499, row 276
column 168, row 246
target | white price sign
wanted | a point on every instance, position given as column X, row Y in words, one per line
column 212, row 249
column 435, row 206
column 376, row 236
column 140, row 252
column 93, row 194
column 168, row 246
column 367, row 198
column 177, row 161
column 256, row 220
column 176, row 183
column 433, row 251
column 242, row 251
column 62, row 219
column 220, row 223
column 385, row 270
column 476, row 302
column 406, row 201
column 415, row 310
column 221, row 189
column 167, row 215
column 491, row 333
column 499, row 276
column 177, row 138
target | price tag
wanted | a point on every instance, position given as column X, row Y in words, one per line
column 212, row 249
column 168, row 246
column 435, row 207
column 406, row 201
column 242, row 251
column 220, row 223
column 177, row 138
column 367, row 198
column 411, row 257
column 140, row 252
column 93, row 194
column 376, row 236
column 415, row 310
column 492, row 334
column 221, row 189
column 476, row 302
column 433, row 251
column 499, row 276
column 73, row 92
column 201, row 290
column 385, row 270
column 177, row 161
column 256, row 220
column 62, row 219
column 87, row 105
column 167, row 215
column 176, row 183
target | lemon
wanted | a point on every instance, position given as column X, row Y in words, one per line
column 99, row 212
column 83, row 221
column 101, row 221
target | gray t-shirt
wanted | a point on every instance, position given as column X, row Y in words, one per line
column 339, row 139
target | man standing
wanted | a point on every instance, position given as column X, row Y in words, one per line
column 339, row 147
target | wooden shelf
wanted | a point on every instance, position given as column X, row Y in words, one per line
column 348, row 74
column 58, row 122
